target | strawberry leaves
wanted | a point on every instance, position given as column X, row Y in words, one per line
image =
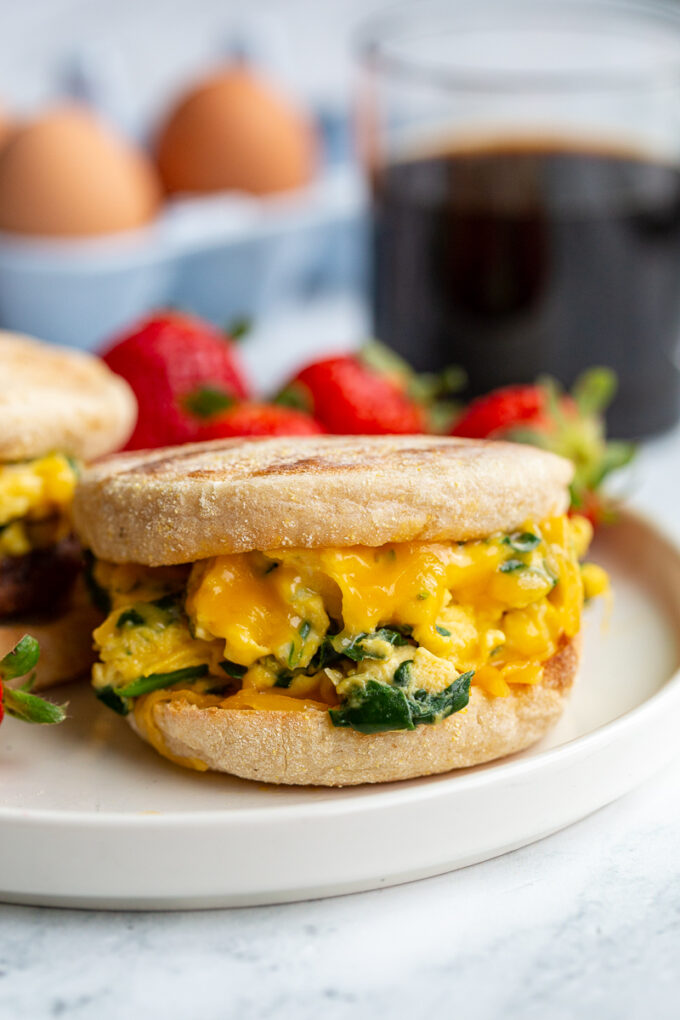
column 207, row 401
column 433, row 392
column 19, row 702
column 30, row 708
column 297, row 396
column 21, row 660
column 239, row 328
column 594, row 391
column 569, row 424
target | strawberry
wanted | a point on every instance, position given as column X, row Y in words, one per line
column 164, row 359
column 19, row 702
column 493, row 414
column 251, row 419
column 350, row 397
column 571, row 425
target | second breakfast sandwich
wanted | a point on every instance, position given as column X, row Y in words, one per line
column 336, row 610
column 58, row 409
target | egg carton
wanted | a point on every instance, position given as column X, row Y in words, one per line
column 221, row 256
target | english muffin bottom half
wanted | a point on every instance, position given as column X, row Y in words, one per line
column 336, row 610
column 58, row 409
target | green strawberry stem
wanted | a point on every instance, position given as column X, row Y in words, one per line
column 434, row 391
column 21, row 660
column 578, row 433
column 32, row 709
column 239, row 328
column 19, row 702
column 207, row 401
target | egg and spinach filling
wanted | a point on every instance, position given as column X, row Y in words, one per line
column 384, row 638
column 35, row 499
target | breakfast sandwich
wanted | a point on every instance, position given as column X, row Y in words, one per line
column 58, row 409
column 336, row 610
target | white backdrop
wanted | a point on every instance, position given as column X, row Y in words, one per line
column 154, row 45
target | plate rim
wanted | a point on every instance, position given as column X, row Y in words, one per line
column 380, row 797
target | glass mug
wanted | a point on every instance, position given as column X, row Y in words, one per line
column 524, row 159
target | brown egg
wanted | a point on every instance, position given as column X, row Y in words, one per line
column 66, row 174
column 6, row 126
column 234, row 132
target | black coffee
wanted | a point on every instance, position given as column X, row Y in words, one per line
column 524, row 260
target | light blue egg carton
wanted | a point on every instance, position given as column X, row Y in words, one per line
column 222, row 256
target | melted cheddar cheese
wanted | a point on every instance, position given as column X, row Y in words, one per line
column 35, row 497
column 301, row 629
column 464, row 602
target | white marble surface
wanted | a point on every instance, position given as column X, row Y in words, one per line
column 585, row 923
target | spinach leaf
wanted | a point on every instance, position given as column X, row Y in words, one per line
column 108, row 697
column 393, row 635
column 325, row 655
column 378, row 707
column 284, row 679
column 294, row 654
column 132, row 617
column 166, row 601
column 294, row 650
column 432, row 708
column 374, row 708
column 233, row 669
column 522, row 541
column 171, row 606
column 98, row 596
column 154, row 682
column 510, row 566
column 403, row 673
column 330, row 652
column 356, row 651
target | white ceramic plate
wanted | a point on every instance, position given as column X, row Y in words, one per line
column 91, row 817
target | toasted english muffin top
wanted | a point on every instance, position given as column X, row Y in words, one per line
column 57, row 399
column 184, row 504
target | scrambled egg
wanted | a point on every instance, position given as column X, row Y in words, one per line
column 298, row 628
column 34, row 499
